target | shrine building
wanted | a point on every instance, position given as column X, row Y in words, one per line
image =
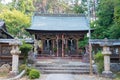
column 58, row 35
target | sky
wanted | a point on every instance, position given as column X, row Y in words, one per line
column 6, row 1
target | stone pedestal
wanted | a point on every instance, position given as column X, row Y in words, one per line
column 106, row 52
column 15, row 56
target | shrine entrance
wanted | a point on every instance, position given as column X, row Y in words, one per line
column 69, row 47
column 58, row 45
column 59, row 48
column 72, row 46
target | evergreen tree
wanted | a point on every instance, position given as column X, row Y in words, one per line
column 105, row 15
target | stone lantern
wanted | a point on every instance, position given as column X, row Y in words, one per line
column 106, row 52
column 106, row 44
column 15, row 55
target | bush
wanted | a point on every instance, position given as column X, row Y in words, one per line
column 83, row 43
column 25, row 67
column 55, row 49
column 25, row 48
column 28, row 70
column 99, row 59
column 34, row 74
column 22, row 67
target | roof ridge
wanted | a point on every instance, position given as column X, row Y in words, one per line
column 59, row 15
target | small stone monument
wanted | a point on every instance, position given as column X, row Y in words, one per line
column 5, row 68
column 15, row 55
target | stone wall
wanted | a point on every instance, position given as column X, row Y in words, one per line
column 115, row 67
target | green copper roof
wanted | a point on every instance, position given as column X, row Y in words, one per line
column 59, row 23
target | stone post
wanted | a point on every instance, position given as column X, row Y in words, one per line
column 15, row 56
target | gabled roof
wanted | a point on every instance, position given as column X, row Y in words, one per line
column 30, row 41
column 4, row 30
column 59, row 22
column 105, row 42
column 2, row 25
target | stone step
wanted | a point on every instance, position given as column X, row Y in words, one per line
column 61, row 65
column 64, row 71
column 63, row 68
column 75, row 70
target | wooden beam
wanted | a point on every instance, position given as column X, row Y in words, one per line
column 42, row 44
column 57, row 44
column 77, row 45
column 63, row 45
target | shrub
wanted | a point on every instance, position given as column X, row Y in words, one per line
column 28, row 70
column 34, row 74
column 99, row 59
column 25, row 67
column 83, row 43
column 22, row 67
column 25, row 48
column 55, row 49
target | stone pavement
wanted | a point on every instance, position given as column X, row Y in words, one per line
column 60, row 77
column 70, row 77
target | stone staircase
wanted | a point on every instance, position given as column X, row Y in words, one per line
column 63, row 67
